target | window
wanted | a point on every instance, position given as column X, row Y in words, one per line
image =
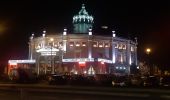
column 77, row 44
column 116, row 45
column 38, row 46
column 60, row 43
column 132, row 48
column 95, row 44
column 83, row 44
column 106, row 45
column 71, row 44
column 120, row 46
column 124, row 47
column 100, row 44
column 55, row 44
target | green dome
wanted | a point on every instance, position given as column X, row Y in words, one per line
column 83, row 16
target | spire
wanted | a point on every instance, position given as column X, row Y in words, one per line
column 83, row 10
column 83, row 6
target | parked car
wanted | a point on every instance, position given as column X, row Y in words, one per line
column 165, row 81
column 120, row 81
column 57, row 79
column 151, row 81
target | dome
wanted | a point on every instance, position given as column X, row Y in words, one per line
column 83, row 16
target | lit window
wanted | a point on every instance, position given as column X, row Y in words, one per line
column 83, row 44
column 94, row 44
column 55, row 45
column 132, row 48
column 71, row 44
column 100, row 44
column 38, row 47
column 116, row 45
column 77, row 44
column 124, row 47
column 120, row 46
column 60, row 43
column 107, row 45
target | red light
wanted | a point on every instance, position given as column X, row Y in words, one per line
column 82, row 63
column 12, row 64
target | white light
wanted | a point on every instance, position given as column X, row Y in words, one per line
column 44, row 31
column 21, row 61
column 65, row 30
column 12, row 64
column 44, row 35
column 114, row 35
column 100, row 46
column 104, row 27
column 48, row 53
column 132, row 48
column 117, row 67
column 90, row 33
column 120, row 67
column 84, row 45
column 75, row 72
column 47, row 50
column 77, row 45
column 71, row 45
column 85, row 72
column 121, row 59
column 51, row 39
column 113, row 32
column 89, row 56
column 81, row 62
column 137, row 67
column 94, row 45
column 124, row 67
column 106, row 46
column 113, row 58
column 130, row 60
column 64, row 33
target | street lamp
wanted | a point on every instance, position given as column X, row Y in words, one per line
column 51, row 40
column 148, row 51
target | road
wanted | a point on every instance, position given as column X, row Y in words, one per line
column 45, row 92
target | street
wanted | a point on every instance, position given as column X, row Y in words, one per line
column 31, row 92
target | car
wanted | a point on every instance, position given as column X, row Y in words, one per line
column 120, row 81
column 165, row 81
column 151, row 81
column 57, row 79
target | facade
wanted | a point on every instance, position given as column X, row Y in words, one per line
column 81, row 52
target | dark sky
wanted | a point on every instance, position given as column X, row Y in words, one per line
column 149, row 21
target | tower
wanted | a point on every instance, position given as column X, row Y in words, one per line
column 83, row 21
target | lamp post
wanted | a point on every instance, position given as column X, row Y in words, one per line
column 148, row 51
column 52, row 67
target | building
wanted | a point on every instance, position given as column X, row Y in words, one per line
column 79, row 52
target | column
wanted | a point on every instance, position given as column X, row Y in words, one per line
column 129, row 56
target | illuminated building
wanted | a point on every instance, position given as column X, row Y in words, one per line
column 81, row 52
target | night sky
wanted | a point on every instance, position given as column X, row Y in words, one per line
column 148, row 21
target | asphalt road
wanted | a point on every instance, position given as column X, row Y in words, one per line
column 40, row 92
